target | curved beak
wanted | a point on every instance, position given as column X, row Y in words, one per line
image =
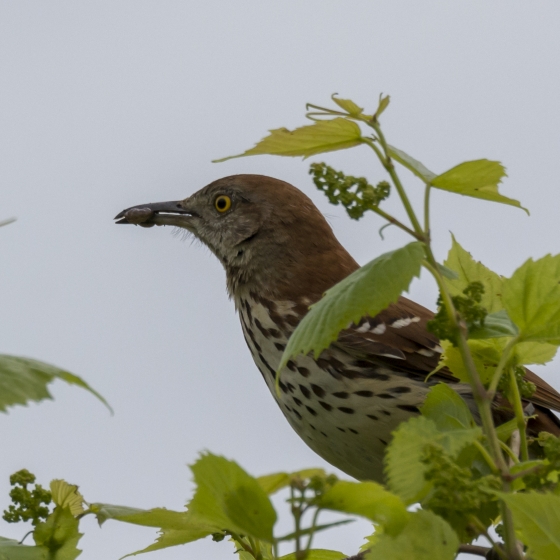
column 172, row 213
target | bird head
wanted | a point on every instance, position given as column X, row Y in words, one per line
column 267, row 234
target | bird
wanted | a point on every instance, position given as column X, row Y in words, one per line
column 280, row 256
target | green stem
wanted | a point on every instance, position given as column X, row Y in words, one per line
column 388, row 164
column 487, row 457
column 506, row 448
column 427, row 211
column 396, row 222
column 313, row 526
column 519, row 415
column 492, row 388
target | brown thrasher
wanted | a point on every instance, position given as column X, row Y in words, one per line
column 280, row 256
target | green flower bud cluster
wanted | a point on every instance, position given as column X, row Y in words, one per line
column 458, row 494
column 469, row 308
column 27, row 504
column 338, row 188
column 526, row 388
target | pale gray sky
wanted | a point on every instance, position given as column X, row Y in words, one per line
column 108, row 104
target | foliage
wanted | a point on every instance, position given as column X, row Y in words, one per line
column 467, row 474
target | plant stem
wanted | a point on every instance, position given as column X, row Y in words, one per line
column 396, row 222
column 519, row 415
column 501, row 365
column 427, row 211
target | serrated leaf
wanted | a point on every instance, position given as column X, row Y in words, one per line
column 24, row 379
column 13, row 550
column 425, row 537
column 532, row 299
column 367, row 499
column 59, row 535
column 317, row 138
column 527, row 353
column 67, row 495
column 176, row 527
column 419, row 169
column 469, row 270
column 496, row 325
column 228, row 498
column 446, row 409
column 367, row 291
column 537, row 518
column 403, row 466
column 348, row 105
column 479, row 179
column 316, row 554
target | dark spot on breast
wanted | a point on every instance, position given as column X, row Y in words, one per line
column 292, row 320
column 341, row 395
column 341, row 429
column 364, row 393
column 287, row 408
column 400, row 390
column 306, row 392
column 283, row 388
column 346, row 410
column 253, row 339
column 311, row 411
column 280, row 347
column 296, row 413
column 291, row 365
column 386, row 412
column 304, row 371
column 408, row 407
column 275, row 333
column 372, row 416
column 353, row 431
column 324, row 434
column 297, row 401
column 386, row 396
column 261, row 328
column 382, row 441
column 325, row 405
column 313, row 427
column 319, row 391
column 267, row 365
column 291, row 388
column 248, row 310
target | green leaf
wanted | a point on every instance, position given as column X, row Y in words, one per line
column 13, row 550
column 271, row 483
column 505, row 430
column 59, row 535
column 348, row 105
column 425, row 537
column 228, row 498
column 403, row 466
column 447, row 409
column 527, row 353
column 5, row 223
column 532, row 299
column 412, row 164
column 468, row 271
column 176, row 527
column 67, row 495
column 367, row 499
column 24, row 379
column 317, row 138
column 366, row 291
column 316, row 554
column 383, row 104
column 537, row 518
column 478, row 178
column 496, row 325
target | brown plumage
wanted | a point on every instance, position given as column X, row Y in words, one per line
column 280, row 255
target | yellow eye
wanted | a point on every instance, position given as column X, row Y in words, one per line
column 222, row 203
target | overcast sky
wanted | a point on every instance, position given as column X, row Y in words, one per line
column 108, row 104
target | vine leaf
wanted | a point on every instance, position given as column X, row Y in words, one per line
column 24, row 379
column 367, row 291
column 316, row 138
column 479, row 179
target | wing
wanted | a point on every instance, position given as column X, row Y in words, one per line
column 398, row 337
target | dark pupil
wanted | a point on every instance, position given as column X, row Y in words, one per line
column 221, row 203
